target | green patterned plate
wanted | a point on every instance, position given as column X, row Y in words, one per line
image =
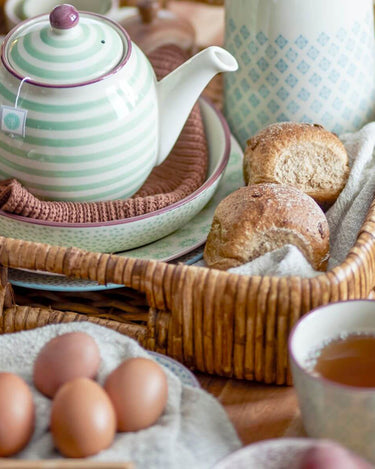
column 175, row 245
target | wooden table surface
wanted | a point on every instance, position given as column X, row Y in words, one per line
column 257, row 411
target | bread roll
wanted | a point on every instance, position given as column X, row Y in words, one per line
column 305, row 156
column 263, row 217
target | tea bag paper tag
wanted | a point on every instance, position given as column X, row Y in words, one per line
column 13, row 120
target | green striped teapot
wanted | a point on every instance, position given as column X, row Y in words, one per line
column 82, row 115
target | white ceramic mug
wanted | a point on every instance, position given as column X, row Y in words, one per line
column 311, row 61
column 330, row 410
column 18, row 10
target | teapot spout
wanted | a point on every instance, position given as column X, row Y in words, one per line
column 178, row 92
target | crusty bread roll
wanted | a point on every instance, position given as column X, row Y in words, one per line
column 305, row 156
column 260, row 218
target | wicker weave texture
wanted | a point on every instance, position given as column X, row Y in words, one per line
column 212, row 321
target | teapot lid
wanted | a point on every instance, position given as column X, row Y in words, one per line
column 66, row 48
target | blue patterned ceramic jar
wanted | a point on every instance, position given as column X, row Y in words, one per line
column 82, row 115
column 300, row 60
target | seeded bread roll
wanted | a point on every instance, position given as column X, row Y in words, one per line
column 305, row 156
column 260, row 218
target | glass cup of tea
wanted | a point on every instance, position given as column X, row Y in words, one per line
column 332, row 353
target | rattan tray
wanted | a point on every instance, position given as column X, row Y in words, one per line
column 212, row 321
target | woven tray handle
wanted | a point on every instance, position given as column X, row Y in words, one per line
column 70, row 261
column 140, row 275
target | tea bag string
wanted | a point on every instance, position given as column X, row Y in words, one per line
column 19, row 90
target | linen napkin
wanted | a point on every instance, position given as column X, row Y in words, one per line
column 345, row 217
column 194, row 431
column 183, row 172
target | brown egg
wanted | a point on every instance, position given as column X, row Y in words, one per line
column 17, row 414
column 65, row 357
column 83, row 421
column 138, row 389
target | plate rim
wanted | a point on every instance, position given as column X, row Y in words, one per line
column 175, row 362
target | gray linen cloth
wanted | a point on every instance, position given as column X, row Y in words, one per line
column 345, row 217
column 193, row 432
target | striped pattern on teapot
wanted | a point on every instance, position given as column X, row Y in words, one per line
column 87, row 136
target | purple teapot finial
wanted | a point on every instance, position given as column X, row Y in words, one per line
column 64, row 17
